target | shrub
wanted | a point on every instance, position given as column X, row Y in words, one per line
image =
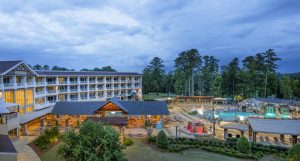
column 41, row 142
column 162, row 140
column 151, row 139
column 193, row 113
column 243, row 145
column 294, row 153
column 128, row 142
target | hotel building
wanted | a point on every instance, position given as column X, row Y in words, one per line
column 35, row 90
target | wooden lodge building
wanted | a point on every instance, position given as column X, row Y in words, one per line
column 113, row 112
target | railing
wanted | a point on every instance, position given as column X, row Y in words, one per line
column 83, row 98
column 83, row 89
column 109, row 81
column 9, row 84
column 40, row 93
column 40, row 83
column 74, row 90
column 51, row 91
column 63, row 90
column 73, row 82
column 92, row 89
column 30, row 83
column 123, row 80
column 109, row 88
column 92, row 81
column 74, row 99
column 92, row 97
column 83, row 81
column 51, row 82
column 100, row 81
column 62, row 82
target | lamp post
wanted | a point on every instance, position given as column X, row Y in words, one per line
column 214, row 122
column 177, row 131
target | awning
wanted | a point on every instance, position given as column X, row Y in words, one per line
column 120, row 121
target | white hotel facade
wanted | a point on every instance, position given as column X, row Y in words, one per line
column 36, row 90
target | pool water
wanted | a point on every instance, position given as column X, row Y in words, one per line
column 232, row 116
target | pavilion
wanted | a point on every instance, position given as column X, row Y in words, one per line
column 270, row 126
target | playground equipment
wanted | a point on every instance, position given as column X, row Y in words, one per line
column 270, row 113
column 195, row 128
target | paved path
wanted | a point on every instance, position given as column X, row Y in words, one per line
column 25, row 153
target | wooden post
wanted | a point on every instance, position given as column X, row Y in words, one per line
column 250, row 132
column 294, row 139
column 242, row 133
column 225, row 134
column 254, row 137
column 281, row 137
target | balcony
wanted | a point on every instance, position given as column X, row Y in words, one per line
column 108, row 81
column 30, row 84
column 83, row 89
column 92, row 81
column 51, row 91
column 83, row 98
column 74, row 90
column 8, row 84
column 100, row 81
column 83, row 82
column 41, row 105
column 63, row 90
column 73, row 82
column 51, row 82
column 92, row 97
column 92, row 89
column 74, row 98
column 63, row 82
column 40, row 83
column 39, row 93
column 109, row 87
column 21, row 84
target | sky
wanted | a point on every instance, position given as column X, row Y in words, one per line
column 127, row 34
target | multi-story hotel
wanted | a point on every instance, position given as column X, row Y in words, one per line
column 34, row 90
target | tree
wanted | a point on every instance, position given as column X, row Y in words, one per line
column 186, row 64
column 243, row 145
column 162, row 140
column 153, row 75
column 46, row 67
column 94, row 142
column 108, row 69
column 294, row 153
column 37, row 67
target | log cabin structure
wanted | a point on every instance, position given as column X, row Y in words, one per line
column 113, row 112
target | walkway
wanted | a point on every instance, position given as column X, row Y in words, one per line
column 25, row 153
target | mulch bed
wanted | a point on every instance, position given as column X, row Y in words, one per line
column 39, row 151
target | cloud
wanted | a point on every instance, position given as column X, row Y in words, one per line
column 128, row 34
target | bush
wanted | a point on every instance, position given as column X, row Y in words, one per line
column 151, row 139
column 41, row 142
column 128, row 142
column 243, row 145
column 294, row 153
column 193, row 113
column 162, row 140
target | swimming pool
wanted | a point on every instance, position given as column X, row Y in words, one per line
column 232, row 115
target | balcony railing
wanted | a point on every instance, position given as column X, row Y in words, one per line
column 73, row 82
column 92, row 81
column 74, row 99
column 63, row 90
column 100, row 81
column 40, row 83
column 20, row 84
column 52, row 82
column 74, row 90
column 40, row 93
column 51, row 91
column 9, row 84
column 92, row 89
column 83, row 81
column 62, row 82
column 83, row 89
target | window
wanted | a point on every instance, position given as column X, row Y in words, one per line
column 20, row 97
column 9, row 96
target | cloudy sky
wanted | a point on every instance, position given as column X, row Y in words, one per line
column 127, row 34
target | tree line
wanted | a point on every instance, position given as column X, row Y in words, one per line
column 195, row 74
column 58, row 68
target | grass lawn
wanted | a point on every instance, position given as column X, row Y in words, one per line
column 141, row 152
column 151, row 96
column 51, row 155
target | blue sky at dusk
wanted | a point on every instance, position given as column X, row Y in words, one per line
column 128, row 34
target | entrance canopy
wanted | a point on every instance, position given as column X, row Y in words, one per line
column 288, row 127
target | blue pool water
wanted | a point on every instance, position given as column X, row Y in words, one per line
column 232, row 116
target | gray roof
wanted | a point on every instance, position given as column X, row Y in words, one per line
column 288, row 127
column 130, row 107
column 6, row 65
column 236, row 126
column 279, row 101
column 6, row 146
column 82, row 73
column 27, row 117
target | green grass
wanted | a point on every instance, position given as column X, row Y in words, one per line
column 151, row 96
column 139, row 151
column 51, row 155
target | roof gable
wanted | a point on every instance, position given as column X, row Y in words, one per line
column 15, row 68
column 115, row 102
